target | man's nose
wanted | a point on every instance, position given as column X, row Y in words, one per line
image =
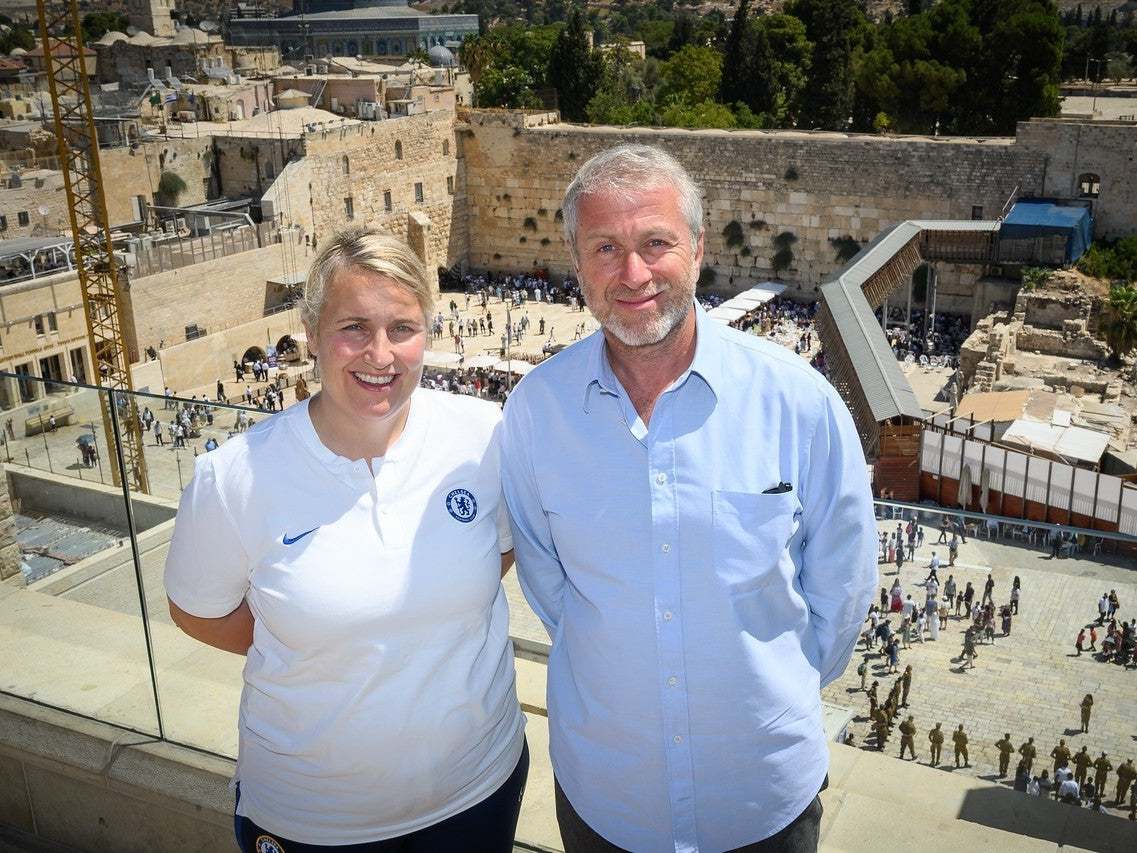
column 635, row 273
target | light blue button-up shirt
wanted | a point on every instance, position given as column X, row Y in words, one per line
column 693, row 616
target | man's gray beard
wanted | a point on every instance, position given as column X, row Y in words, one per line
column 650, row 333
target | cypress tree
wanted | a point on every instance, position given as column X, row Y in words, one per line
column 574, row 70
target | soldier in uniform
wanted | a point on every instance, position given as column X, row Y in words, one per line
column 1006, row 749
column 1082, row 761
column 1126, row 773
column 871, row 693
column 936, row 739
column 1060, row 754
column 907, row 735
column 959, row 738
column 880, row 724
column 1087, row 706
column 1101, row 773
column 1028, row 751
column 905, row 685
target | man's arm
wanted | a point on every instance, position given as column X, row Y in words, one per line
column 838, row 567
column 539, row 570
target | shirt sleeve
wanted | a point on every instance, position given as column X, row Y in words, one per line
column 207, row 569
column 539, row 569
column 838, row 570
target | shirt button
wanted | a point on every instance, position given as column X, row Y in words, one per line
column 671, row 682
column 661, row 478
column 678, row 738
column 666, row 615
column 665, row 548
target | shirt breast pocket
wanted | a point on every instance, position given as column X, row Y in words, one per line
column 751, row 532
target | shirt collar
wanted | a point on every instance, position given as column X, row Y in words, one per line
column 707, row 363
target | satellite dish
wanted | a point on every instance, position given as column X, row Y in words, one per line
column 208, row 26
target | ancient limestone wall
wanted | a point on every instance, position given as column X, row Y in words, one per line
column 398, row 156
column 132, row 172
column 215, row 295
column 816, row 188
column 1072, row 149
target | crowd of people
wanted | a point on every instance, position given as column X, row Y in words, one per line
column 942, row 342
column 985, row 617
column 1119, row 645
column 472, row 381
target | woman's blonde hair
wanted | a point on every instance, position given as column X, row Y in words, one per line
column 360, row 248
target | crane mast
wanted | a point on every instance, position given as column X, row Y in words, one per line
column 78, row 144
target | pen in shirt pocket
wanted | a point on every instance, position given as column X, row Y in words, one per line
column 779, row 489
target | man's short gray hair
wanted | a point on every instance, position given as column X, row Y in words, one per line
column 627, row 170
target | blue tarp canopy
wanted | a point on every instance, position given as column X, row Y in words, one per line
column 1033, row 218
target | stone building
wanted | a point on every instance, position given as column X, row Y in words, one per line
column 152, row 16
column 32, row 202
column 353, row 27
column 43, row 333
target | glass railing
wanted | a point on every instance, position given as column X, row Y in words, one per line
column 83, row 611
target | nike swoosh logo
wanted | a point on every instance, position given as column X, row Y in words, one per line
column 295, row 539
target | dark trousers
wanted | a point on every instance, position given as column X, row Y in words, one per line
column 801, row 836
column 486, row 827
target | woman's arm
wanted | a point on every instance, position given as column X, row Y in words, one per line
column 506, row 562
column 231, row 633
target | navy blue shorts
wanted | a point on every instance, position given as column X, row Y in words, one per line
column 486, row 827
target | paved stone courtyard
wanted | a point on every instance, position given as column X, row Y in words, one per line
column 1028, row 684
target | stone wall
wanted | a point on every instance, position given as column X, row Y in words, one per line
column 1072, row 149
column 216, row 295
column 817, row 187
column 363, row 163
column 132, row 172
column 201, row 362
column 38, row 188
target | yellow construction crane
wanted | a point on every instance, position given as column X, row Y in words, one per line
column 78, row 142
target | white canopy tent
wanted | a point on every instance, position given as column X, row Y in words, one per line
column 747, row 301
column 1067, row 442
column 437, row 358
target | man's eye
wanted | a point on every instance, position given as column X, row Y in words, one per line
column 351, row 327
column 607, row 248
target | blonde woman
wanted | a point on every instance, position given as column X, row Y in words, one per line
column 352, row 546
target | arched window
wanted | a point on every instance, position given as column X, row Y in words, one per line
column 445, row 147
column 1089, row 185
column 398, row 150
column 346, row 165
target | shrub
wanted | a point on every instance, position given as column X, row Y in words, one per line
column 846, row 247
column 1034, row 277
column 732, row 233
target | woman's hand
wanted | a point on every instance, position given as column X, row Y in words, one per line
column 231, row 633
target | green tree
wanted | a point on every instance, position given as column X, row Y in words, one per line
column 748, row 64
column 682, row 34
column 1016, row 73
column 706, row 114
column 1119, row 321
column 97, row 24
column 793, row 58
column 834, row 27
column 574, row 70
column 509, row 86
column 691, row 76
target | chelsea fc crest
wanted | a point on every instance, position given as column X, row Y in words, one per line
column 462, row 505
column 267, row 844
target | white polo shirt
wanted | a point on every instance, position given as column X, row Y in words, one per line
column 379, row 691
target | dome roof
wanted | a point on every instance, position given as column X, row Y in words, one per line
column 18, row 51
column 441, row 57
column 111, row 36
column 191, row 35
column 144, row 38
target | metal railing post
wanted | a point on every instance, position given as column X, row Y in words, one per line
column 132, row 532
